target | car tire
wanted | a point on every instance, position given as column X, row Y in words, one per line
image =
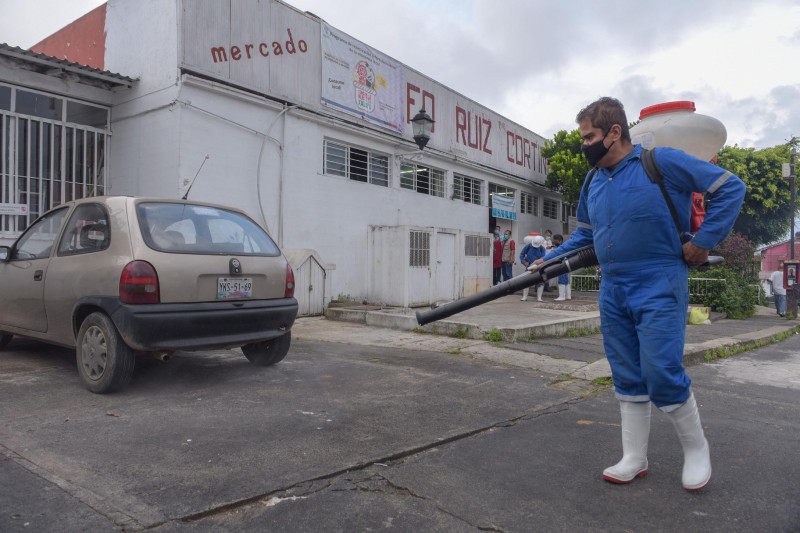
column 105, row 362
column 5, row 338
column 269, row 352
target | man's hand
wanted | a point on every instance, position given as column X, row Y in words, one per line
column 694, row 255
column 535, row 265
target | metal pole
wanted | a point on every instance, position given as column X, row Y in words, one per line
column 791, row 303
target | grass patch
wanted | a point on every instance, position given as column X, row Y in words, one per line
column 459, row 333
column 582, row 332
column 727, row 351
column 418, row 330
column 495, row 335
column 455, row 351
column 603, row 382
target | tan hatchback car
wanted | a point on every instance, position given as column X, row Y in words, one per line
column 117, row 276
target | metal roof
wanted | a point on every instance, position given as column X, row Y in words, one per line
column 49, row 65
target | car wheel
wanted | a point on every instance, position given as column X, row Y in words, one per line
column 105, row 362
column 268, row 352
column 5, row 338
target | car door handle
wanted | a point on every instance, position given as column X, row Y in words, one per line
column 37, row 276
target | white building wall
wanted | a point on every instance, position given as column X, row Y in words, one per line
column 266, row 156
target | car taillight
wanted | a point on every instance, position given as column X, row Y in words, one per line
column 138, row 284
column 289, row 292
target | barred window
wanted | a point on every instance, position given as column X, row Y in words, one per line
column 420, row 249
column 52, row 150
column 529, row 203
column 422, row 178
column 477, row 246
column 550, row 209
column 356, row 163
column 467, row 189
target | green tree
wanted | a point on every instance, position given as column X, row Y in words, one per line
column 765, row 214
column 567, row 165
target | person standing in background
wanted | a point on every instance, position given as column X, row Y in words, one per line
column 508, row 257
column 564, row 280
column 497, row 256
column 776, row 278
column 533, row 250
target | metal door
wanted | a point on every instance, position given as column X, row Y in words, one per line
column 445, row 279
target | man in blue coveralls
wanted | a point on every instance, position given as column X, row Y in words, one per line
column 644, row 295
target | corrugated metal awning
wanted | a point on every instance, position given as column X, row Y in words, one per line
column 52, row 66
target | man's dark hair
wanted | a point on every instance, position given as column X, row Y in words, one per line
column 558, row 237
column 603, row 114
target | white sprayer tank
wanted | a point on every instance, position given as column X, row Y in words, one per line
column 675, row 124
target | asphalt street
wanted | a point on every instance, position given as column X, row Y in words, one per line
column 344, row 437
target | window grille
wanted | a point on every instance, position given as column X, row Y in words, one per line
column 477, row 246
column 355, row 163
column 550, row 209
column 423, row 179
column 420, row 249
column 467, row 189
column 529, row 204
column 52, row 150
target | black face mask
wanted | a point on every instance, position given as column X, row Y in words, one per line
column 596, row 151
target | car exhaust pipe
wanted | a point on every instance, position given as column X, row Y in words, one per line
column 162, row 356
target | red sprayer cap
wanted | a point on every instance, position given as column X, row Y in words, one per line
column 680, row 105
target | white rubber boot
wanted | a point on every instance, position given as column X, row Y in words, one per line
column 524, row 294
column 696, row 455
column 539, row 291
column 562, row 293
column 635, row 421
column 569, row 290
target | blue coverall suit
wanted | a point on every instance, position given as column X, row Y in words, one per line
column 644, row 295
column 529, row 254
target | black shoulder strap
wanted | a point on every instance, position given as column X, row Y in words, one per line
column 656, row 176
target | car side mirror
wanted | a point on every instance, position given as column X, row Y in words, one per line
column 5, row 253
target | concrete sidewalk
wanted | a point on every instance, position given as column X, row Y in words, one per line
column 560, row 338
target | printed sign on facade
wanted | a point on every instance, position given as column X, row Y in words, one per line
column 503, row 207
column 361, row 81
column 13, row 209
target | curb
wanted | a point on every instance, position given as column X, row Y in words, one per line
column 729, row 346
column 405, row 319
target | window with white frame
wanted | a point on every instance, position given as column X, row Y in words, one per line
column 419, row 249
column 529, row 203
column 356, row 163
column 467, row 189
column 422, row 178
column 477, row 246
column 52, row 150
column 550, row 208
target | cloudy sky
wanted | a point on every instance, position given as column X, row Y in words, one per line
column 539, row 61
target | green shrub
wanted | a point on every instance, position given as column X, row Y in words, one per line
column 735, row 299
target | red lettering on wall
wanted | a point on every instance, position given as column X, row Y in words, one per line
column 519, row 150
column 488, row 123
column 219, row 54
column 428, row 104
column 461, row 125
column 475, row 130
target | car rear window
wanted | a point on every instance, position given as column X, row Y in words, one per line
column 198, row 229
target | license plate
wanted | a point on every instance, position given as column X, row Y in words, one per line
column 234, row 288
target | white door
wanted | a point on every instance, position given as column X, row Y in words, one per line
column 310, row 288
column 444, row 288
